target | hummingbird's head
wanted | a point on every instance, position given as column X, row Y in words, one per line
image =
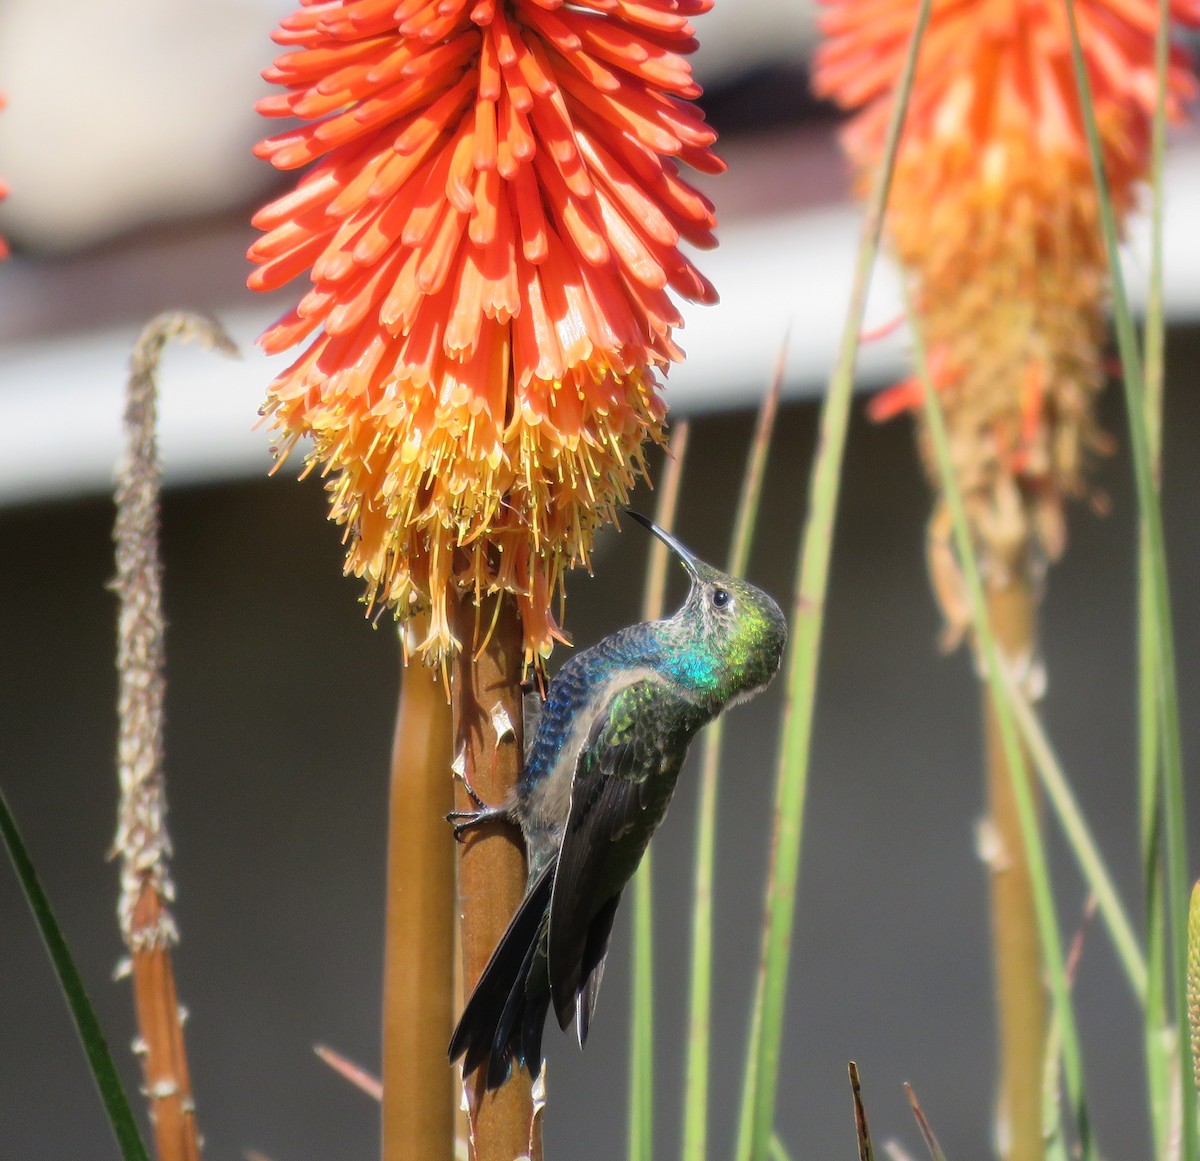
column 727, row 639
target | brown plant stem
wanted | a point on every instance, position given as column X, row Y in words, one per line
column 418, row 983
column 142, row 842
column 1017, row 958
column 488, row 746
column 164, row 1065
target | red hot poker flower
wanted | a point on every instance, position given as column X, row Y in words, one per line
column 491, row 232
column 3, row 195
column 994, row 211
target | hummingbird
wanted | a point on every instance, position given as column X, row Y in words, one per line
column 596, row 782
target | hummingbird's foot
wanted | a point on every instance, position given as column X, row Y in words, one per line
column 465, row 820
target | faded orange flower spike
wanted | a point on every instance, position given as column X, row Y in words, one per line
column 3, row 194
column 491, row 231
column 994, row 212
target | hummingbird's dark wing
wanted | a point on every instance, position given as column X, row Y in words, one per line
column 594, row 864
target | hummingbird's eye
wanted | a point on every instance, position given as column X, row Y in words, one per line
column 720, row 598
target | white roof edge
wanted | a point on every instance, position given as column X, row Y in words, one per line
column 61, row 398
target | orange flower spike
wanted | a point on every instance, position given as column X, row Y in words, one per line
column 3, row 195
column 489, row 231
column 993, row 211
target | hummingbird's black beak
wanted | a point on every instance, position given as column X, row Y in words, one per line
column 688, row 558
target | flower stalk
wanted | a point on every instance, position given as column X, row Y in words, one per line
column 418, row 1101
column 491, row 230
column 3, row 194
column 1020, row 992
column 142, row 843
column 488, row 751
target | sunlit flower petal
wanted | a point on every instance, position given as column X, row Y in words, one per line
column 491, row 232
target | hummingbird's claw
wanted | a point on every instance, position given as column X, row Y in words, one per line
column 465, row 820
column 462, row 778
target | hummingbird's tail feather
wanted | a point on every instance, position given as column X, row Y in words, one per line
column 502, row 1051
column 533, row 1023
column 500, row 1003
column 594, row 954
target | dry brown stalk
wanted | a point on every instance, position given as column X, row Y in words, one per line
column 418, row 991
column 487, row 709
column 142, row 842
column 349, row 1071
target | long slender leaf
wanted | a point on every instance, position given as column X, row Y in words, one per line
column 1155, row 329
column 1087, row 853
column 1159, row 614
column 641, row 1033
column 808, row 615
column 1014, row 756
column 779, row 1149
column 104, row 1071
column 1156, row 1036
column 696, row 1075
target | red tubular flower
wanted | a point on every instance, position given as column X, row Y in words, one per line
column 491, row 231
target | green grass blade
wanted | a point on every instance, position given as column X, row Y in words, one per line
column 1052, row 1130
column 1014, row 756
column 779, row 1149
column 100, row 1060
column 699, row 1043
column 808, row 614
column 641, row 1027
column 1159, row 618
column 1156, row 1034
column 1157, row 1038
column 1079, row 836
column 697, row 1070
column 641, row 1034
column 750, row 497
column 1155, row 330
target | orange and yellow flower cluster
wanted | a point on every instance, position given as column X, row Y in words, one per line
column 994, row 212
column 492, row 233
column 3, row 195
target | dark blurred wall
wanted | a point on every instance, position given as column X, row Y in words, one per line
column 279, row 724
